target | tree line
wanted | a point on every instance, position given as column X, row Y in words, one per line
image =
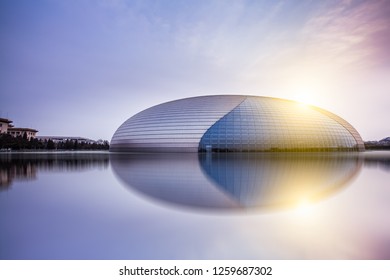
column 23, row 143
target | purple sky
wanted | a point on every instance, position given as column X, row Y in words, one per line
column 81, row 68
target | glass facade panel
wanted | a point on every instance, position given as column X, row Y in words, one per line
column 270, row 124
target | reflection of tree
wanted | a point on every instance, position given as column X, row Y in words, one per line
column 25, row 166
column 382, row 161
column 10, row 172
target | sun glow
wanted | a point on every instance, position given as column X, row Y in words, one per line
column 307, row 81
column 305, row 95
column 303, row 208
column 304, row 98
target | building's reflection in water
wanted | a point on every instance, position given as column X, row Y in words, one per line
column 25, row 166
column 226, row 181
column 176, row 178
column 221, row 181
column 282, row 179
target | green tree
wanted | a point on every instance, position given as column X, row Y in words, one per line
column 50, row 145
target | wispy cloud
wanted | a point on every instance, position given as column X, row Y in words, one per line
column 346, row 33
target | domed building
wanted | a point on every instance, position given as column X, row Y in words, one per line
column 235, row 123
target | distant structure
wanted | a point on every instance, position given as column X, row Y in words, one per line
column 235, row 123
column 60, row 139
column 7, row 127
column 383, row 144
column 18, row 138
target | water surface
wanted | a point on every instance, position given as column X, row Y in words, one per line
column 195, row 206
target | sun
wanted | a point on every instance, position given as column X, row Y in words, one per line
column 306, row 88
column 303, row 208
column 304, row 96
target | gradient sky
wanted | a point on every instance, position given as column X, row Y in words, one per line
column 82, row 67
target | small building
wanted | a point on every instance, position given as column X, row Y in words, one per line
column 4, row 125
column 7, row 127
column 20, row 131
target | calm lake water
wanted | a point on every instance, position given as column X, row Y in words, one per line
column 195, row 206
